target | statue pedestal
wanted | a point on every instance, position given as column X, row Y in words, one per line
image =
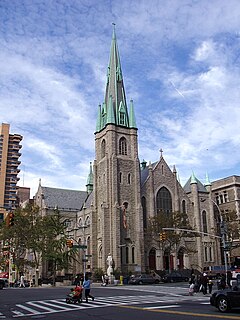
column 111, row 279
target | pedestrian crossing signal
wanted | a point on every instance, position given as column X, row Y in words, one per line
column 69, row 243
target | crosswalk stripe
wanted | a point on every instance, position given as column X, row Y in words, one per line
column 60, row 305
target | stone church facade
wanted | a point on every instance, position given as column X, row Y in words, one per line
column 124, row 195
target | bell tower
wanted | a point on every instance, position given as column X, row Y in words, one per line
column 117, row 201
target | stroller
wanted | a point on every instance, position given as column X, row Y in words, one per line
column 75, row 296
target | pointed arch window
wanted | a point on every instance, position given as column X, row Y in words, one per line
column 127, row 255
column 104, row 115
column 103, row 148
column 123, row 146
column 87, row 221
column 204, row 222
column 164, row 201
column 88, row 245
column 183, row 206
column 133, row 255
column 122, row 114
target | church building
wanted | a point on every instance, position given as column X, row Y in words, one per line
column 126, row 208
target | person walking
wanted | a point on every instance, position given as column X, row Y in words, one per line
column 87, row 288
column 22, row 283
column 210, row 285
column 204, row 283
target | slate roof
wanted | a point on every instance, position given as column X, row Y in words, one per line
column 201, row 188
column 89, row 200
column 64, row 198
column 145, row 173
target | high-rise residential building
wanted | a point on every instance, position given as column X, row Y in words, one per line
column 9, row 163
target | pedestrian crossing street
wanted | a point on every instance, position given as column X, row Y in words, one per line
column 34, row 308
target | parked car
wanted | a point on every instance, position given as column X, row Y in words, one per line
column 175, row 277
column 2, row 284
column 143, row 279
column 6, row 282
column 226, row 299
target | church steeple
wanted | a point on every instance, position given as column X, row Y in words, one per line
column 114, row 109
column 89, row 184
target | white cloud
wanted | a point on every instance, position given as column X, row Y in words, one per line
column 180, row 65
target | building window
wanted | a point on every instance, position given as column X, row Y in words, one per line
column 133, row 255
column 164, row 201
column 123, row 146
column 122, row 118
column 88, row 245
column 104, row 115
column 103, row 149
column 204, row 221
column 144, row 207
column 67, row 223
column 127, row 255
column 210, row 254
column 129, row 178
column 225, row 196
column 120, row 177
column 206, row 255
column 221, row 197
column 183, row 206
column 87, row 221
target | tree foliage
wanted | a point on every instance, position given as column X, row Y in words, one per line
column 34, row 238
column 176, row 220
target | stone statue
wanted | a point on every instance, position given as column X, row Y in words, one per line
column 110, row 264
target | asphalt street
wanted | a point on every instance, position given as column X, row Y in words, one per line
column 168, row 301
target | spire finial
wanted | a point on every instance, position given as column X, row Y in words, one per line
column 161, row 151
column 114, row 34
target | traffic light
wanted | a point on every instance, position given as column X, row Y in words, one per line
column 11, row 219
column 163, row 236
column 69, row 243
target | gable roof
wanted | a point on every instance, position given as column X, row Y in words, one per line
column 64, row 199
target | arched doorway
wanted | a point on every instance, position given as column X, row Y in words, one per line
column 167, row 260
column 152, row 259
column 180, row 258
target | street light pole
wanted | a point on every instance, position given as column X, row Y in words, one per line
column 223, row 234
column 207, row 234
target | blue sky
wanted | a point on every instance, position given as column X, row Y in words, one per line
column 181, row 66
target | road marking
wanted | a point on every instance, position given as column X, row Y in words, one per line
column 204, row 315
column 162, row 307
column 32, row 308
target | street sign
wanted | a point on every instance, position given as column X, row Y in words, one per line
column 88, row 255
column 84, row 260
column 80, row 246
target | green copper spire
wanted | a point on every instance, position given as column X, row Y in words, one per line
column 193, row 178
column 132, row 119
column 89, row 184
column 98, row 125
column 110, row 112
column 207, row 183
column 114, row 110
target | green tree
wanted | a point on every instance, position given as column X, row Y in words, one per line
column 54, row 248
column 33, row 239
